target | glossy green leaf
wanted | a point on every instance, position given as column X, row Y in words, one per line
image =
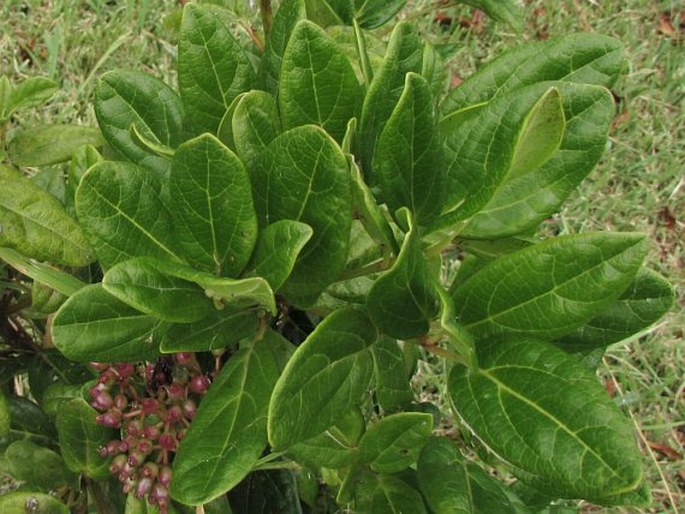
column 56, row 395
column 92, row 325
column 317, row 84
column 407, row 162
column 457, row 336
column 140, row 284
column 522, row 202
column 381, row 494
column 507, row 11
column 544, row 413
column 452, row 485
column 303, row 176
column 324, row 379
column 394, row 443
column 80, row 438
column 125, row 98
column 119, row 207
column 287, row 16
column 50, row 144
column 83, row 158
column 212, row 67
column 220, row 329
column 35, row 223
column 40, row 503
column 645, row 301
column 228, row 434
column 391, row 379
column 28, row 93
column 372, row 14
column 41, row 273
column 211, row 207
column 402, row 301
column 552, row 288
column 255, row 123
column 277, row 249
column 225, row 130
column 404, row 55
column 434, row 70
column 5, row 415
column 36, row 465
column 580, row 58
column 27, row 419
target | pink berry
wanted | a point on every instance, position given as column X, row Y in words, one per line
column 184, row 358
column 199, row 384
column 176, row 391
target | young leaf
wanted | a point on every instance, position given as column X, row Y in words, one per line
column 30, row 92
column 580, row 58
column 255, row 124
column 35, row 223
column 394, row 443
column 50, row 144
column 543, row 412
column 303, row 176
column 381, row 494
column 211, row 207
column 83, row 158
column 324, row 379
column 125, row 98
column 212, row 67
column 402, row 301
column 317, row 84
column 16, row 502
column 374, row 13
column 53, row 278
column 391, row 378
column 277, row 249
column 36, row 465
column 228, row 434
column 141, row 284
column 404, row 55
column 92, row 325
column 645, row 301
column 119, row 207
column 80, row 438
column 408, row 160
column 549, row 289
column 289, row 13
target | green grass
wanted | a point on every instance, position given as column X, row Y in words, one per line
column 639, row 184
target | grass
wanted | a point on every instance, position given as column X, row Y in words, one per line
column 638, row 186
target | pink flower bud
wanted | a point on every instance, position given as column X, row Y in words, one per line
column 174, row 414
column 189, row 409
column 199, row 384
column 149, row 470
column 120, row 402
column 144, row 446
column 164, row 476
column 133, row 428
column 167, row 442
column 97, row 389
column 108, row 377
column 160, row 493
column 176, row 391
column 151, row 432
column 149, row 406
column 117, row 464
column 184, row 358
column 135, row 458
column 110, row 419
column 143, row 487
column 125, row 370
column 99, row 366
column 103, row 401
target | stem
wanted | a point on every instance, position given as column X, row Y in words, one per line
column 102, row 504
column 267, row 16
column 367, row 269
column 367, row 71
column 284, row 464
column 432, row 347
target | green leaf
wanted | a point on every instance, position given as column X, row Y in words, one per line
column 549, row 289
column 452, row 485
column 5, row 415
column 323, row 13
column 506, row 11
column 83, row 158
column 30, row 92
column 277, row 249
column 40, row 503
column 92, row 325
column 50, row 144
column 408, row 159
column 374, row 13
column 80, row 438
column 457, row 336
column 212, row 67
column 255, row 123
column 394, row 443
column 34, row 223
column 434, row 70
column 125, row 98
column 402, row 301
column 521, row 202
column 317, row 84
column 404, row 55
column 220, row 329
column 544, row 413
column 212, row 211
column 56, row 395
column 119, row 207
column 228, row 434
column 303, row 176
column 287, row 16
column 141, row 284
column 391, row 378
column 29, row 420
column 580, row 58
column 324, row 379
column 381, row 494
column 645, row 301
column 41, row 273
column 36, row 465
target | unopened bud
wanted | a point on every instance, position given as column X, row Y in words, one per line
column 143, row 487
column 167, row 442
column 125, row 370
column 184, row 358
column 189, row 409
column 120, row 401
column 149, row 470
column 174, row 414
column 110, row 419
column 164, row 476
column 199, row 384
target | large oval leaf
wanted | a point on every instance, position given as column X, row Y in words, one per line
column 119, row 207
column 92, row 325
column 212, row 209
column 381, row 494
column 50, row 144
column 549, row 289
column 317, row 84
column 126, row 98
column 324, row 379
column 212, row 67
column 35, row 223
column 255, row 123
column 228, row 434
column 36, row 465
column 543, row 412
column 16, row 502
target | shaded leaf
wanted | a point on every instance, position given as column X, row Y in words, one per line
column 391, row 378
column 30, row 92
column 40, row 503
column 374, row 13
column 255, row 123
column 36, row 465
column 50, row 144
column 54, row 278
column 381, row 494
column 506, row 11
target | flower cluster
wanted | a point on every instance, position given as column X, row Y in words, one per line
column 152, row 406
